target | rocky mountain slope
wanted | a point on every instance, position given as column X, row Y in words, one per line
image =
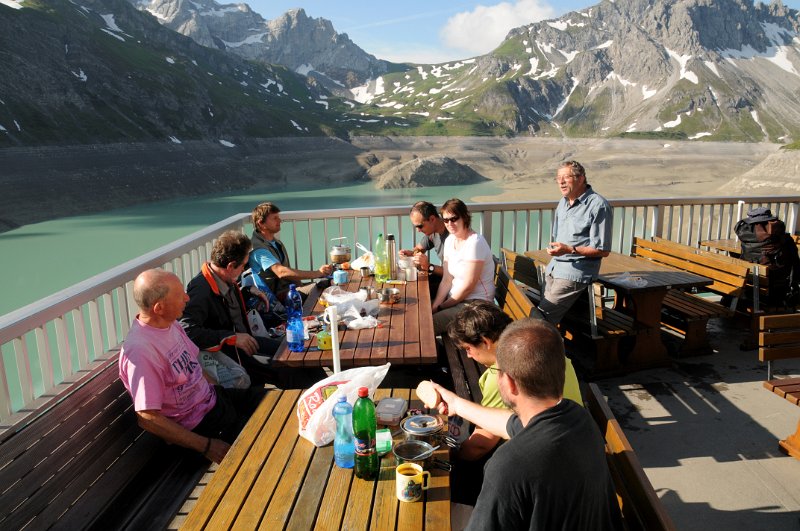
column 310, row 46
column 719, row 70
column 99, row 71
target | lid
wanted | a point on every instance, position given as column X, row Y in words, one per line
column 343, row 398
column 422, row 424
column 390, row 236
column 363, row 392
column 342, row 245
column 292, row 287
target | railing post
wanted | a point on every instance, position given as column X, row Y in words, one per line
column 486, row 227
column 793, row 221
column 657, row 222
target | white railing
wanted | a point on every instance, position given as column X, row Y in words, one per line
column 56, row 341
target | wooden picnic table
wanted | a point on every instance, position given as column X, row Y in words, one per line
column 731, row 246
column 274, row 479
column 788, row 388
column 405, row 336
column 640, row 287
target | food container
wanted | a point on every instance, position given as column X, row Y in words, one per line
column 389, row 295
column 427, row 428
column 390, row 410
column 340, row 251
column 418, row 452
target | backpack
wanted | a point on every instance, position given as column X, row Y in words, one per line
column 766, row 243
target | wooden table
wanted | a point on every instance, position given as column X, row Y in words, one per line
column 405, row 336
column 643, row 303
column 731, row 246
column 274, row 479
column 788, row 388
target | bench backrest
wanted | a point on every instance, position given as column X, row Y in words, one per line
column 779, row 337
column 522, row 268
column 640, row 506
column 73, row 463
column 729, row 275
column 510, row 297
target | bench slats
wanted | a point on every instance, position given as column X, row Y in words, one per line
column 641, row 508
column 778, row 337
column 83, row 460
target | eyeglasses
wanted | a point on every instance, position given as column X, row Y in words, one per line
column 494, row 370
column 419, row 226
column 451, row 220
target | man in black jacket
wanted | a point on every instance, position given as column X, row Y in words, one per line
column 215, row 318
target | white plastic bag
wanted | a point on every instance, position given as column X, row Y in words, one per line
column 315, row 407
column 256, row 323
column 365, row 260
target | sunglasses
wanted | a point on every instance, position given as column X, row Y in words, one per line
column 419, row 226
column 451, row 220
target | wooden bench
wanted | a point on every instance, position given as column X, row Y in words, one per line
column 605, row 327
column 788, row 388
column 778, row 338
column 85, row 463
column 688, row 313
column 640, row 506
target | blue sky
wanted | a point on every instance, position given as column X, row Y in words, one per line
column 427, row 31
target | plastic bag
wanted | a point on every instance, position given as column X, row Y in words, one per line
column 256, row 323
column 224, row 370
column 365, row 260
column 315, row 407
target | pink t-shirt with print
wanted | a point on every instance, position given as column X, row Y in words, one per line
column 160, row 370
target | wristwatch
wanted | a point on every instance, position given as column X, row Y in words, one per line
column 431, row 268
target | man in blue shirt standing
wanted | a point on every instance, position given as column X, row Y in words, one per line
column 581, row 238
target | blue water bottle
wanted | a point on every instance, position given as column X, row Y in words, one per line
column 344, row 447
column 295, row 335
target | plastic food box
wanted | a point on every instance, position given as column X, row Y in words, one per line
column 391, row 410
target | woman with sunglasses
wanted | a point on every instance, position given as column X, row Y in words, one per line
column 468, row 266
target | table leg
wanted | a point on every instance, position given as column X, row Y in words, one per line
column 648, row 349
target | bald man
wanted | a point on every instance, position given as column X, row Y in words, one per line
column 159, row 367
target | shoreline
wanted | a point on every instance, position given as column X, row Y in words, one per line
column 46, row 183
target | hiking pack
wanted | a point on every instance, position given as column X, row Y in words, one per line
column 765, row 241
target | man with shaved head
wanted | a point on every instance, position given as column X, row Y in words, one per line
column 159, row 367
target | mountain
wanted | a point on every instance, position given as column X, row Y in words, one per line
column 100, row 71
column 310, row 46
column 696, row 69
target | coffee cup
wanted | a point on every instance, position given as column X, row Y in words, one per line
column 410, row 481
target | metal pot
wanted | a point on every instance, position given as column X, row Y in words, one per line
column 340, row 252
column 428, row 428
column 418, row 452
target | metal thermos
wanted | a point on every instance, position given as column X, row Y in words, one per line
column 391, row 255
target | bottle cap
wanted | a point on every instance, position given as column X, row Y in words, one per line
column 363, row 392
column 343, row 398
column 292, row 287
column 390, row 236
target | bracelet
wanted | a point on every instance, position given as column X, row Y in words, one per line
column 208, row 446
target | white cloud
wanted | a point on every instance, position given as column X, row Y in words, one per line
column 481, row 30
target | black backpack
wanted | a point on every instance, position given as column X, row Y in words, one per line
column 766, row 243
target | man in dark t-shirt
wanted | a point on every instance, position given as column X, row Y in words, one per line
column 427, row 221
column 552, row 473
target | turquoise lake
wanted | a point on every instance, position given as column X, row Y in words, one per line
column 40, row 259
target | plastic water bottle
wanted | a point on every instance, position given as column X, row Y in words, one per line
column 365, row 425
column 344, row 447
column 381, row 262
column 295, row 335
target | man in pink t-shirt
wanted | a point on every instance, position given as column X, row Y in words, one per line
column 159, row 367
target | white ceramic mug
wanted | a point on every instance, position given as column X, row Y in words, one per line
column 410, row 481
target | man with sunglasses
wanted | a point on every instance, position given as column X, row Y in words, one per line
column 581, row 237
column 552, row 472
column 425, row 218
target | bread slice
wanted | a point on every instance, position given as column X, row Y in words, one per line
column 428, row 394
